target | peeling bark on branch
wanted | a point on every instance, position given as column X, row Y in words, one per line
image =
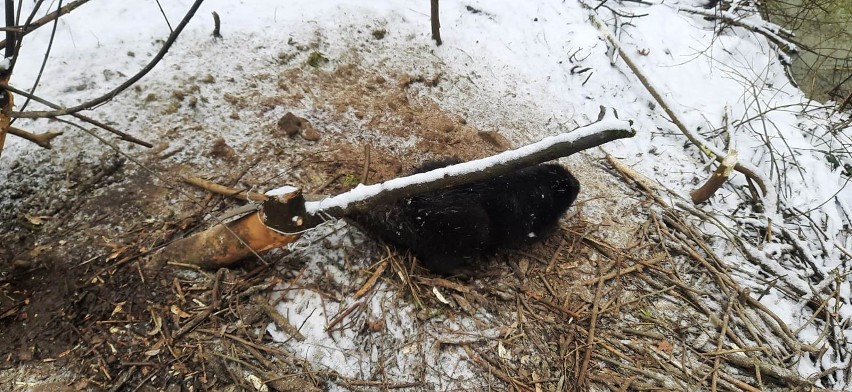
column 224, row 244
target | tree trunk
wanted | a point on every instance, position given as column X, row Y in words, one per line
column 436, row 23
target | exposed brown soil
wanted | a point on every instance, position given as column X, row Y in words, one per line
column 73, row 292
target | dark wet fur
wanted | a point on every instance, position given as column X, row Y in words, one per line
column 450, row 229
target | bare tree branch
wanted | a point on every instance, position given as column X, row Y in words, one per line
column 49, row 18
column 562, row 145
column 135, row 78
column 42, row 139
column 19, row 39
column 11, row 36
column 122, row 135
column 768, row 30
column 44, row 60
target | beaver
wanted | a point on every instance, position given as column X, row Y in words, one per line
column 450, row 230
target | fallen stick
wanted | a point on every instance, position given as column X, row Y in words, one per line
column 223, row 190
column 371, row 281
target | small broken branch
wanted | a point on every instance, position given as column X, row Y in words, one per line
column 217, row 24
column 46, row 53
column 590, row 338
column 280, row 321
column 791, row 377
column 719, row 177
column 371, row 281
column 108, row 128
column 842, row 106
column 223, row 190
column 497, row 372
column 41, row 139
column 436, row 23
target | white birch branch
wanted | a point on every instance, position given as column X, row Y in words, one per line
column 364, row 196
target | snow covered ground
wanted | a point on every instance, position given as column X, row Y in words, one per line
column 528, row 70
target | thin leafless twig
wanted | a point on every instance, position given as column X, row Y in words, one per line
column 45, row 20
column 43, row 62
column 129, row 82
column 111, row 129
column 749, row 170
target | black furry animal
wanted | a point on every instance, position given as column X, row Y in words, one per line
column 449, row 229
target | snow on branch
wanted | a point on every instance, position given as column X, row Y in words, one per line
column 550, row 148
column 769, row 30
column 770, row 197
